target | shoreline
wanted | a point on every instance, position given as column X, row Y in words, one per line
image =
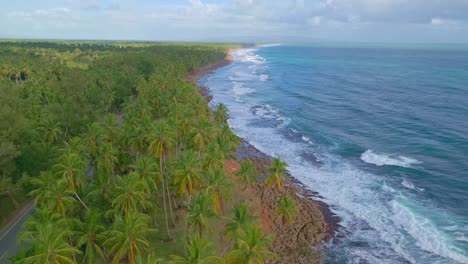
column 315, row 224
column 195, row 75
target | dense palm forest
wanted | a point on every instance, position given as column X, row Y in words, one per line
column 124, row 159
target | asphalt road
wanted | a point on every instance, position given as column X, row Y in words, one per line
column 8, row 242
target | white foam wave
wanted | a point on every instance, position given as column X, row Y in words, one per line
column 391, row 229
column 265, row 111
column 284, row 121
column 264, row 77
column 462, row 237
column 242, row 76
column 451, row 228
column 306, row 139
column 240, row 89
column 254, row 59
column 269, row 45
column 248, row 56
column 409, row 185
column 427, row 235
column 385, row 159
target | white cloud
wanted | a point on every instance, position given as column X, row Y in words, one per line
column 232, row 20
column 316, row 20
column 440, row 22
column 437, row 21
column 51, row 13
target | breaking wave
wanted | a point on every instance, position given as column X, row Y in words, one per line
column 371, row 157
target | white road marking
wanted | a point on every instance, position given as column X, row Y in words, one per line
column 13, row 225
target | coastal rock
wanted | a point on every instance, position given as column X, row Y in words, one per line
column 296, row 242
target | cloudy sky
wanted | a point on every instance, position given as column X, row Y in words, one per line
column 238, row 20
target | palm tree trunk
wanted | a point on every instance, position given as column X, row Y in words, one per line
column 176, row 206
column 164, row 197
column 131, row 256
column 79, row 199
column 170, row 204
column 174, row 196
column 70, row 242
column 222, row 206
column 167, row 190
column 12, row 198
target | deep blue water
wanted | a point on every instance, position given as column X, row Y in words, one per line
column 380, row 132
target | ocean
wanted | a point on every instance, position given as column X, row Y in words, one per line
column 379, row 131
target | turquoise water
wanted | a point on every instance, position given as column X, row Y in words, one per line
column 381, row 132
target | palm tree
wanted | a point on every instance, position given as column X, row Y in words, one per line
column 198, row 213
column 71, row 168
column 106, row 159
column 127, row 237
column 94, row 138
column 187, row 173
column 89, row 234
column 75, row 145
column 129, row 194
column 110, row 127
column 47, row 240
column 246, row 174
column 161, row 142
column 202, row 131
column 251, row 248
column 135, row 138
column 43, row 215
column 182, row 115
column 147, row 168
column 219, row 188
column 221, row 113
column 52, row 193
column 227, row 145
column 110, row 100
column 242, row 219
column 226, row 133
column 286, row 209
column 50, row 130
column 277, row 173
column 99, row 193
column 200, row 106
column 195, row 251
column 183, row 128
column 214, row 158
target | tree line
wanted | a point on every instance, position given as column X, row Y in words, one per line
column 120, row 152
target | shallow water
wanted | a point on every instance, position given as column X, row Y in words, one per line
column 380, row 132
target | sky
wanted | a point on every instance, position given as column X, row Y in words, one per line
column 404, row 21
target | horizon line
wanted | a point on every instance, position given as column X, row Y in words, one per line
column 234, row 42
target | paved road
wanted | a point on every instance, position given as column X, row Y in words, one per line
column 8, row 242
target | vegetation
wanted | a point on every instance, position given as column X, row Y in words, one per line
column 286, row 209
column 114, row 145
column 277, row 174
column 246, row 174
column 251, row 248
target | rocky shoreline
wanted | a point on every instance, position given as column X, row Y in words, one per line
column 301, row 241
column 314, row 225
column 262, row 161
